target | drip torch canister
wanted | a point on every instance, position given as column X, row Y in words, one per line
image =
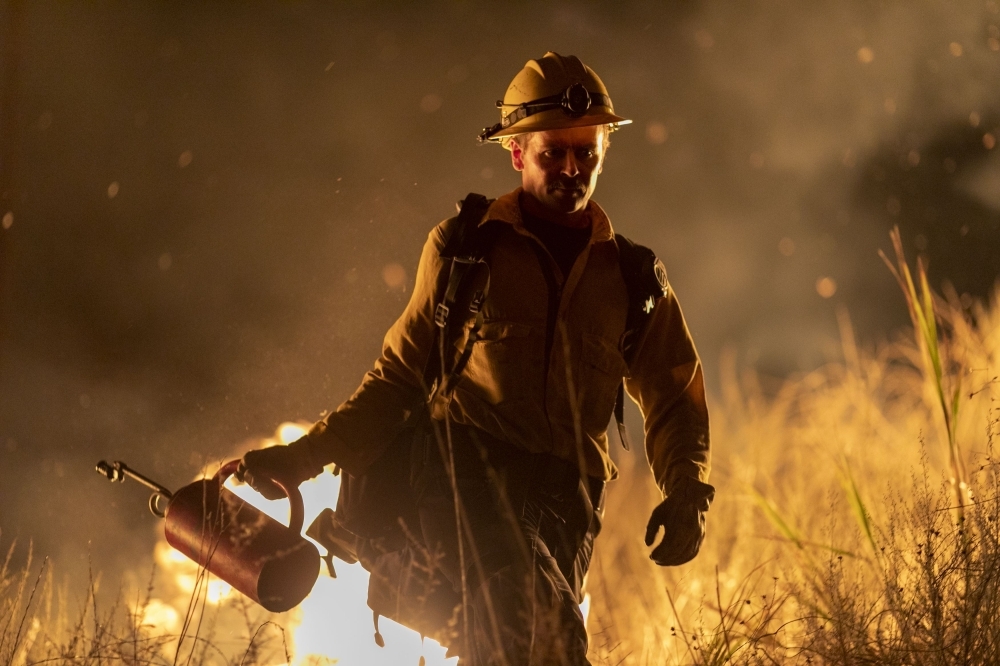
column 268, row 562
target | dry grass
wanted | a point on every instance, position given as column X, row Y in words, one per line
column 842, row 533
column 42, row 623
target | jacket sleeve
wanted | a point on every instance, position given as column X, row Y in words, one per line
column 667, row 382
column 357, row 433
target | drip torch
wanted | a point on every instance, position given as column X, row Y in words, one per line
column 265, row 560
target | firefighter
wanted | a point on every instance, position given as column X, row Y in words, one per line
column 517, row 455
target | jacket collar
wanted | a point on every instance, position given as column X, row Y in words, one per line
column 507, row 209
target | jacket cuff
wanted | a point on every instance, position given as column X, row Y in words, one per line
column 326, row 447
column 694, row 491
column 306, row 464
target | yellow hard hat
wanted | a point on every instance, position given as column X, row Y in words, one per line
column 552, row 92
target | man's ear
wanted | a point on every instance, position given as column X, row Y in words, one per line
column 516, row 156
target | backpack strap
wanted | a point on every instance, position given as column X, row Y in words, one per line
column 466, row 250
column 644, row 275
column 645, row 281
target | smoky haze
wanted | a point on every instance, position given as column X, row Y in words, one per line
column 212, row 212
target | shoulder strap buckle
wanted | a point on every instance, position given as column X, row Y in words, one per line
column 441, row 315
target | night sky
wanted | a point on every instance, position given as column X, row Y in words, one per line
column 211, row 212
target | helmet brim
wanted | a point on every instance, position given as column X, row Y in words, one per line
column 558, row 119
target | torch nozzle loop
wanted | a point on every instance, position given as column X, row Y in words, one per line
column 118, row 471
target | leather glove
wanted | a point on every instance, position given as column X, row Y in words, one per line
column 290, row 464
column 682, row 517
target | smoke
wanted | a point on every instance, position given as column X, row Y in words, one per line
column 215, row 211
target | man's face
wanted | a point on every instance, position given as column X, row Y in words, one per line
column 559, row 168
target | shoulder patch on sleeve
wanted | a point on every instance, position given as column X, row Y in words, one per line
column 660, row 271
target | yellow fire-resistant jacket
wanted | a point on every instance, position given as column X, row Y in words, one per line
column 506, row 388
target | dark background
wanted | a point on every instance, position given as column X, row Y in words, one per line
column 201, row 200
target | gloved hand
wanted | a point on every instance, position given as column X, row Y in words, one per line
column 682, row 517
column 290, row 464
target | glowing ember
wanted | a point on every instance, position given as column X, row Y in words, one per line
column 826, row 287
column 656, row 133
column 430, row 103
column 394, row 276
column 704, row 39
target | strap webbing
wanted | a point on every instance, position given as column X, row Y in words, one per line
column 623, row 435
column 638, row 266
column 465, row 249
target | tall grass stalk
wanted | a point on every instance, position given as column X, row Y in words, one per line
column 924, row 318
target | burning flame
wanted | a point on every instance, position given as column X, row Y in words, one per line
column 333, row 625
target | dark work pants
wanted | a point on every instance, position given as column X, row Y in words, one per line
column 529, row 523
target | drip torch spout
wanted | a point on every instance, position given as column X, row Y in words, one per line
column 118, row 471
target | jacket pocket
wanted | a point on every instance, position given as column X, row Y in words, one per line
column 601, row 369
column 504, row 363
column 600, row 354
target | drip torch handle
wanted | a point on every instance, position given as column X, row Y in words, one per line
column 296, row 507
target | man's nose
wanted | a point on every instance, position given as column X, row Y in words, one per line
column 570, row 167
